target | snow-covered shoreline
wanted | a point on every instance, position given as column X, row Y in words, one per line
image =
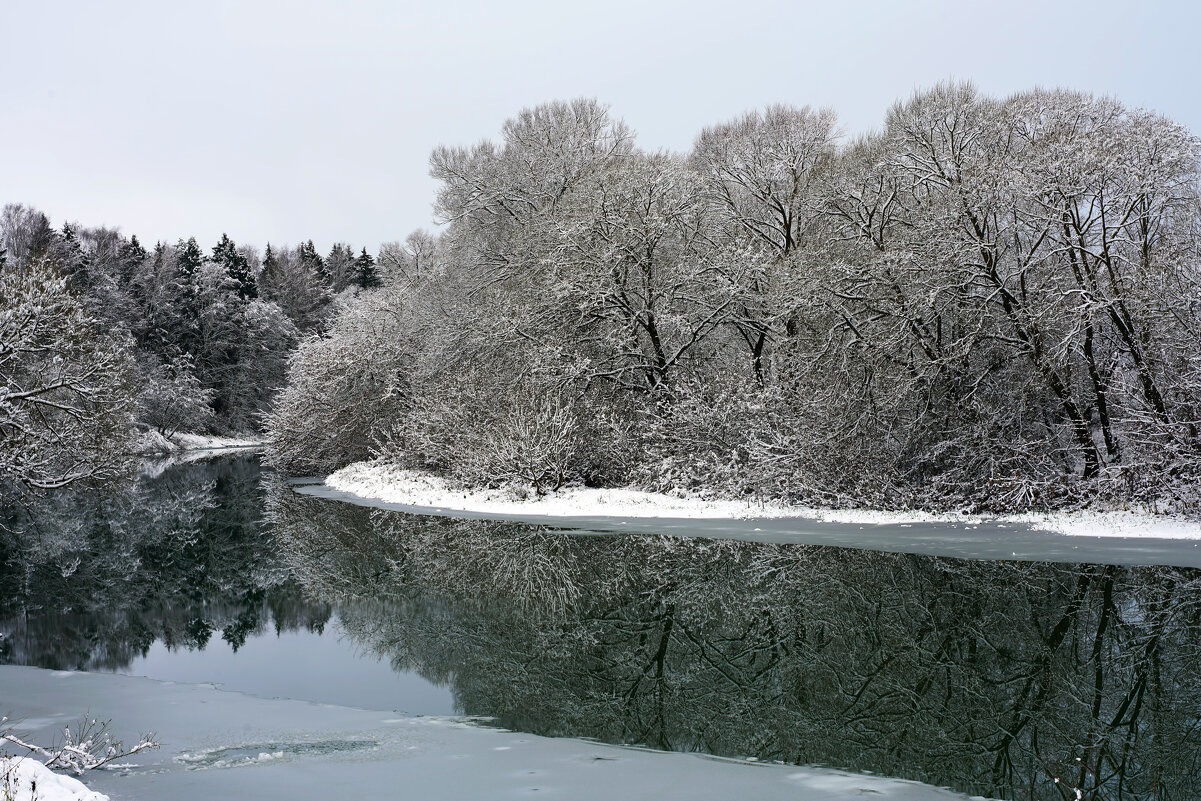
column 25, row 779
column 153, row 443
column 376, row 481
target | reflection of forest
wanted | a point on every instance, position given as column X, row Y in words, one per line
column 92, row 580
column 1007, row 679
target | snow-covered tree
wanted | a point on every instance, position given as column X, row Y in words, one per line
column 296, row 286
column 637, row 276
column 188, row 257
column 364, row 271
column 226, row 254
column 266, row 339
column 173, row 399
column 341, row 267
column 66, row 399
column 343, row 391
column 987, row 302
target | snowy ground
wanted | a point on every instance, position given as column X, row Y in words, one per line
column 1113, row 524
column 397, row 485
column 152, row 443
column 434, row 495
column 24, row 779
column 219, row 744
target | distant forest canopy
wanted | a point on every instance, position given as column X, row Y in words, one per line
column 987, row 304
column 103, row 340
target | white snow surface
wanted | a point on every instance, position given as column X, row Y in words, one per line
column 203, row 442
column 393, row 484
column 386, row 483
column 151, row 443
column 220, row 744
column 1113, row 524
column 25, row 779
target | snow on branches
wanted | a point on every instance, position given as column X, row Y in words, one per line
column 66, row 400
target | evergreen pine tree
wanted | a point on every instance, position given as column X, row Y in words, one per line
column 41, row 237
column 340, row 266
column 365, row 271
column 71, row 258
column 224, row 251
column 311, row 258
column 236, row 265
column 270, row 264
column 188, row 257
column 248, row 285
column 131, row 257
column 132, row 251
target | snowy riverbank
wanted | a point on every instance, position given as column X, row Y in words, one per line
column 373, row 481
column 25, row 779
column 219, row 744
column 153, row 443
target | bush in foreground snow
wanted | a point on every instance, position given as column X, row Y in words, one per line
column 84, row 746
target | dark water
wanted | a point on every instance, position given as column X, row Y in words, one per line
column 179, row 578
column 1007, row 679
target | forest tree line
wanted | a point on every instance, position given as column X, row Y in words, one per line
column 103, row 341
column 987, row 303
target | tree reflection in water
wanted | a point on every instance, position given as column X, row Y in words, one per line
column 1015, row 680
column 90, row 580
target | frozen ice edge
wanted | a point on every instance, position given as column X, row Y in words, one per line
column 250, row 747
column 429, row 494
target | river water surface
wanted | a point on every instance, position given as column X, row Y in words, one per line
column 999, row 677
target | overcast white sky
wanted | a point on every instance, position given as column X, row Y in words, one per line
column 290, row 121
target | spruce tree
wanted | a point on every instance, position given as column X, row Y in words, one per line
column 131, row 257
column 340, row 266
column 270, row 264
column 132, row 251
column 71, row 258
column 224, row 251
column 365, row 271
column 237, row 266
column 187, row 258
column 41, row 236
column 309, row 257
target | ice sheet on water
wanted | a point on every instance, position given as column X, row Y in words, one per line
column 293, row 750
column 254, row 753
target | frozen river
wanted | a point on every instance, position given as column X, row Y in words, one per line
column 286, row 645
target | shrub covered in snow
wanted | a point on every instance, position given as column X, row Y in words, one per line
column 85, row 745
